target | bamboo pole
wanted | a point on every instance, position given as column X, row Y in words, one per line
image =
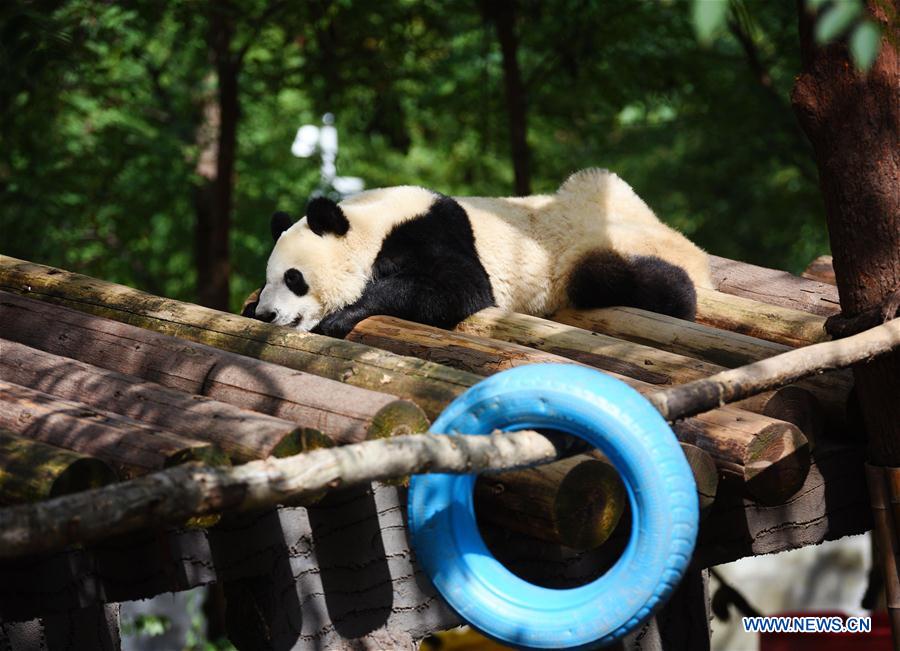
column 132, row 448
column 775, row 287
column 242, row 434
column 343, row 413
column 31, row 471
column 430, row 386
column 771, row 457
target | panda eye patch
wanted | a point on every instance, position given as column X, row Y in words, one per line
column 294, row 281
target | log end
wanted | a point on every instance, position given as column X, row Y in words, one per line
column 82, row 475
column 776, row 463
column 397, row 418
column 706, row 476
column 302, row 439
column 798, row 406
column 589, row 504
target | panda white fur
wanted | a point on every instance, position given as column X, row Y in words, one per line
column 416, row 254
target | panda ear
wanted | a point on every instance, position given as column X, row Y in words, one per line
column 324, row 216
column 281, row 221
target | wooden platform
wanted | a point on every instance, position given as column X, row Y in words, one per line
column 340, row 573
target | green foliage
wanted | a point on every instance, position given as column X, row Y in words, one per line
column 865, row 41
column 100, row 106
column 709, row 18
column 835, row 19
column 145, row 626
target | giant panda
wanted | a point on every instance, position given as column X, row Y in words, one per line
column 416, row 254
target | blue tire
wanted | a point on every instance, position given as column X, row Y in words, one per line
column 626, row 428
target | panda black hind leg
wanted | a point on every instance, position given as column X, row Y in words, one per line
column 606, row 279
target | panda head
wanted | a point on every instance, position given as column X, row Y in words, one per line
column 322, row 262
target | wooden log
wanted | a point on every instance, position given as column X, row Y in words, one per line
column 688, row 338
column 343, row 413
column 771, row 456
column 821, row 270
column 644, row 363
column 640, row 366
column 31, row 471
column 721, row 347
column 576, row 502
column 782, row 325
column 775, row 287
column 130, row 447
column 242, row 434
column 430, row 386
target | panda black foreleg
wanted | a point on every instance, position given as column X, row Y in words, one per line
column 606, row 279
column 432, row 301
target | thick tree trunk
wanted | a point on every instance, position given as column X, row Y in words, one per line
column 217, row 138
column 853, row 122
column 502, row 13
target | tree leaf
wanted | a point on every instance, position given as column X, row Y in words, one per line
column 836, row 19
column 708, row 17
column 865, row 41
column 815, row 4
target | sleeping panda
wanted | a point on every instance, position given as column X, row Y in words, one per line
column 415, row 254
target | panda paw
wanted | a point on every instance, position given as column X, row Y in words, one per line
column 337, row 325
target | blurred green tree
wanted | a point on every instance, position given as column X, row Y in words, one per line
column 114, row 118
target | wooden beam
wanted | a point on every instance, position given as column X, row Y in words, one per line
column 775, row 287
column 821, row 270
column 242, row 434
column 132, row 448
column 343, row 413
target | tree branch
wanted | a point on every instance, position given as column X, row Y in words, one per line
column 175, row 495
column 739, row 383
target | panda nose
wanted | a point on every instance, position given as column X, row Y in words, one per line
column 268, row 317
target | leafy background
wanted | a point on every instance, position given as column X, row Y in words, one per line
column 101, row 103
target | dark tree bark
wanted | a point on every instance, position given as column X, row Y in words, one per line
column 853, row 123
column 217, row 138
column 502, row 14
